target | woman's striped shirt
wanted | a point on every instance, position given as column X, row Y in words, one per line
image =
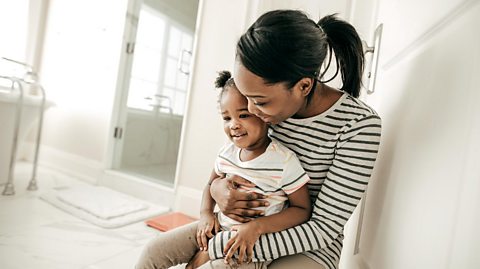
column 337, row 149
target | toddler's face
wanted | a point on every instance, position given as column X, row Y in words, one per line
column 243, row 128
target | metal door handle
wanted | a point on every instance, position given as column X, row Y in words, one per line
column 180, row 61
column 375, row 50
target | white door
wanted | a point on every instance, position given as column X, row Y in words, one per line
column 423, row 204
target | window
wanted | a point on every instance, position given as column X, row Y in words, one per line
column 162, row 47
column 13, row 33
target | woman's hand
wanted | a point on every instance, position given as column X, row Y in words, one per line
column 234, row 203
column 207, row 226
column 243, row 241
column 199, row 259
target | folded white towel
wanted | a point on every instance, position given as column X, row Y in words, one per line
column 101, row 202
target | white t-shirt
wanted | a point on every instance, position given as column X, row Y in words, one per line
column 276, row 172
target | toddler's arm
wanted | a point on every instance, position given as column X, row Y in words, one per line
column 298, row 212
column 208, row 223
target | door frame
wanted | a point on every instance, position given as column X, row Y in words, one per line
column 118, row 116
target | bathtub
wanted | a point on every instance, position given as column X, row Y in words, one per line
column 29, row 120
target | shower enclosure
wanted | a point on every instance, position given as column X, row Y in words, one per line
column 152, row 88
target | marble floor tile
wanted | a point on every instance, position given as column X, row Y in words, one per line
column 35, row 234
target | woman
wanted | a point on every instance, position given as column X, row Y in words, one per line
column 335, row 135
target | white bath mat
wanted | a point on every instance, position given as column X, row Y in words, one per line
column 102, row 206
column 101, row 202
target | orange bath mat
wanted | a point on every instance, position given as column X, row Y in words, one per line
column 169, row 221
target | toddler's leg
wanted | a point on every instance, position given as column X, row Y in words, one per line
column 170, row 248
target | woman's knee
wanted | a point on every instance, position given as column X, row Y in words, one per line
column 149, row 258
column 169, row 248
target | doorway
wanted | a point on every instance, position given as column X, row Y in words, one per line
column 153, row 85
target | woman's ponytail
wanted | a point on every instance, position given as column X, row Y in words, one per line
column 347, row 46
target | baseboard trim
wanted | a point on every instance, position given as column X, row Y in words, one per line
column 360, row 262
column 188, row 201
column 140, row 188
column 70, row 164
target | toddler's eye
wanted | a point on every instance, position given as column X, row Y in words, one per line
column 226, row 118
column 242, row 116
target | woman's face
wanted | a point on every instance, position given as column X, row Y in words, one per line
column 272, row 103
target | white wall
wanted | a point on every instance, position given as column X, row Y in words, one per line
column 422, row 209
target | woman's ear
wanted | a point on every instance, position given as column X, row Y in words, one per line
column 305, row 86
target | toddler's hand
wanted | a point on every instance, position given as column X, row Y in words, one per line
column 207, row 226
column 243, row 241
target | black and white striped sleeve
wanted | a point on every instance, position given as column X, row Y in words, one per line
column 344, row 185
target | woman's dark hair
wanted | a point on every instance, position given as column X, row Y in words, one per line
column 224, row 81
column 286, row 46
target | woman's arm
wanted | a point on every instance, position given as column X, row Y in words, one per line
column 234, row 203
column 298, row 212
column 339, row 194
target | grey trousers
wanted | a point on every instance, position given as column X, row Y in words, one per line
column 180, row 245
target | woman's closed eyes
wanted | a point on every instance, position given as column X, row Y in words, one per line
column 259, row 104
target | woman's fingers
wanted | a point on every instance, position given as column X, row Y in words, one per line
column 244, row 215
column 251, row 204
column 238, row 218
column 233, row 201
column 240, row 181
column 247, row 196
column 245, row 200
column 248, row 213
